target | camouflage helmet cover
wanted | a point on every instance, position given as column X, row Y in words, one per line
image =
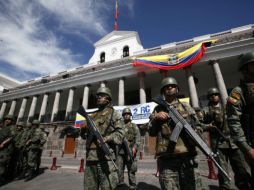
column 28, row 124
column 245, row 59
column 212, row 91
column 126, row 110
column 21, row 123
column 36, row 122
column 11, row 117
column 104, row 90
column 168, row 81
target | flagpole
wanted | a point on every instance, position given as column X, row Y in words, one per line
column 116, row 16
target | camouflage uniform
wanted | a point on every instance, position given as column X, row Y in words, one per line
column 6, row 136
column 226, row 149
column 100, row 172
column 132, row 135
column 176, row 163
column 35, row 147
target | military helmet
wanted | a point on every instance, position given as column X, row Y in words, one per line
column 104, row 90
column 167, row 81
column 28, row 124
column 11, row 117
column 126, row 110
column 245, row 59
column 36, row 122
column 21, row 123
column 212, row 91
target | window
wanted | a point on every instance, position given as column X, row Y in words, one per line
column 102, row 57
column 126, row 51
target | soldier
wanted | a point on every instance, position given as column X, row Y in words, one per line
column 100, row 171
column 240, row 110
column 221, row 142
column 35, row 146
column 5, row 150
column 176, row 162
column 132, row 136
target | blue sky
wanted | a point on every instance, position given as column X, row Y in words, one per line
column 41, row 37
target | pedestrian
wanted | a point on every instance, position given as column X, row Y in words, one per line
column 100, row 172
column 240, row 110
column 132, row 141
column 215, row 121
column 176, row 161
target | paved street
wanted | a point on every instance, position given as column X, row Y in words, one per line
column 67, row 177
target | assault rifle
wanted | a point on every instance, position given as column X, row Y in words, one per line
column 95, row 132
column 127, row 149
column 182, row 124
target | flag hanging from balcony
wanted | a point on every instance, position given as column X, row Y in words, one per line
column 174, row 61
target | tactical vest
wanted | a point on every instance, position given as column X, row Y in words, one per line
column 247, row 119
column 184, row 144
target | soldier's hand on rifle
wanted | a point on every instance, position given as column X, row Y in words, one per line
column 107, row 139
column 1, row 146
column 211, row 126
column 161, row 116
column 250, row 156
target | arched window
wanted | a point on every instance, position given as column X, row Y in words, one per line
column 102, row 57
column 126, row 51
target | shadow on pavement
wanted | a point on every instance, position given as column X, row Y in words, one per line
column 140, row 186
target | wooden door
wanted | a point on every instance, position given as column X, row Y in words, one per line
column 69, row 146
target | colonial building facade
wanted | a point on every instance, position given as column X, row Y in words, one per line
column 54, row 99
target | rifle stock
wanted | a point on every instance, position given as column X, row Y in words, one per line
column 92, row 127
column 182, row 124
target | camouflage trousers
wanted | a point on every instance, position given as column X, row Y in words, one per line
column 34, row 159
column 100, row 174
column 4, row 161
column 122, row 161
column 238, row 165
column 178, row 174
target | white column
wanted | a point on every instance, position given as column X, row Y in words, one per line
column 86, row 96
column 121, row 101
column 22, row 109
column 219, row 81
column 56, row 105
column 3, row 110
column 32, row 108
column 192, row 88
column 12, row 109
column 43, row 105
column 142, row 92
column 69, row 102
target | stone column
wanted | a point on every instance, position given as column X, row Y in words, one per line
column 12, row 109
column 86, row 96
column 3, row 110
column 164, row 74
column 192, row 88
column 142, row 92
column 56, row 105
column 22, row 109
column 69, row 102
column 32, row 108
column 121, row 92
column 43, row 105
column 219, row 81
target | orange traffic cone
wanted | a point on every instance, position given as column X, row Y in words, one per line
column 211, row 174
column 81, row 168
column 53, row 167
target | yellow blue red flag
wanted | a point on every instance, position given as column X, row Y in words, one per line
column 174, row 61
column 79, row 120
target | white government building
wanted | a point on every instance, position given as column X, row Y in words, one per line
column 55, row 98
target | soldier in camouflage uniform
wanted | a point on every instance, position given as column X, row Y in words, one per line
column 100, row 171
column 215, row 120
column 176, row 162
column 132, row 136
column 5, row 152
column 35, row 146
column 240, row 110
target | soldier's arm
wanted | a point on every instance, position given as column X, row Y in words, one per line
column 234, row 111
column 118, row 133
column 137, row 137
column 154, row 123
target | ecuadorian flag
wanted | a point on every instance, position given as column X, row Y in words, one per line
column 175, row 61
column 79, row 120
